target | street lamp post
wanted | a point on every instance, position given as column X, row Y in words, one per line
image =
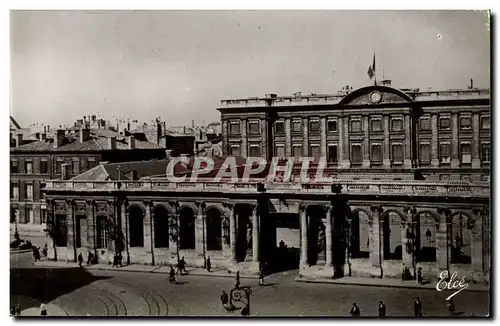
column 348, row 245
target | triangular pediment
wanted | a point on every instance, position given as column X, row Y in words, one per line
column 375, row 95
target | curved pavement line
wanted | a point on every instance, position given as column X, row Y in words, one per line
column 116, row 301
column 147, row 293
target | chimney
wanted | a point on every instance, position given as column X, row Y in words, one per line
column 131, row 142
column 44, row 136
column 168, row 153
column 59, row 138
column 44, row 129
column 84, row 134
column 112, row 143
column 65, row 171
column 93, row 118
column 134, row 175
column 19, row 140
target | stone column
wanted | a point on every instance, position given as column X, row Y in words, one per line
column 407, row 143
column 173, row 221
column 376, row 236
column 127, row 231
column 303, row 236
column 477, row 255
column 232, row 233
column 288, row 138
column 255, row 235
column 329, row 234
column 476, row 162
column 147, row 226
column 89, row 208
column 70, row 226
column 124, row 226
column 347, row 161
column 244, row 145
column 152, row 232
column 442, row 254
column 387, row 143
column 366, row 144
column 455, row 162
column 340, row 144
column 225, row 132
column 199, row 229
column 434, row 141
column 305, row 143
column 263, row 137
column 322, row 126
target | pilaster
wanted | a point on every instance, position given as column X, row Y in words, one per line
column 442, row 254
column 386, row 159
column 434, row 141
column 340, row 144
column 366, row 144
column 288, row 138
column 346, row 163
column 303, row 235
column 147, row 226
column 323, row 136
column 376, row 236
column 476, row 162
column 244, row 145
column 455, row 162
column 329, row 235
column 255, row 235
column 70, row 224
column 407, row 143
column 477, row 254
column 232, row 232
column 305, row 143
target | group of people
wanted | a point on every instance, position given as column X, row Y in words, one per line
column 417, row 308
column 181, row 269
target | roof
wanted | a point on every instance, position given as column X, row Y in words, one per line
column 14, row 124
column 72, row 144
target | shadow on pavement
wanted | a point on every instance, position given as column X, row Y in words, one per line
column 46, row 284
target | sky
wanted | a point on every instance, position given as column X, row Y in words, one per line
column 179, row 65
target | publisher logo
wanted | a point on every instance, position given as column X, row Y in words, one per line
column 451, row 283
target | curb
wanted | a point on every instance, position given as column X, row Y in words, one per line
column 326, row 281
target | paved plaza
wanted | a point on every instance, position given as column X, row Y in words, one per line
column 77, row 291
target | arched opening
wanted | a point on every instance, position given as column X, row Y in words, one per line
column 426, row 228
column 160, row 220
column 316, row 236
column 460, row 239
column 360, row 235
column 214, row 229
column 136, row 226
column 187, row 236
column 392, row 236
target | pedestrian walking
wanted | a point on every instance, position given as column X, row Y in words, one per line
column 36, row 254
column 89, row 258
column 80, row 259
column 381, row 309
column 181, row 266
column 420, row 279
column 171, row 275
column 115, row 260
column 355, row 312
column 261, row 276
column 224, row 299
column 237, row 284
column 451, row 306
column 209, row 264
column 120, row 259
column 43, row 310
column 417, row 307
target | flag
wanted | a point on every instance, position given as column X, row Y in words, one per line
column 371, row 68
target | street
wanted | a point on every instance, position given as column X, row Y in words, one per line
column 81, row 292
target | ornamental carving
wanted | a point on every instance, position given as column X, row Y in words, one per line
column 80, row 207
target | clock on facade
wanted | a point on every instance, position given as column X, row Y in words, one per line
column 375, row 97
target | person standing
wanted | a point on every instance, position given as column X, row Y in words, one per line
column 80, row 259
column 417, row 307
column 43, row 310
column 261, row 276
column 171, row 275
column 18, row 310
column 209, row 264
column 355, row 312
column 224, row 299
column 182, row 266
column 381, row 309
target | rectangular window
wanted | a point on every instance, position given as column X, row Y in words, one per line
column 466, row 153
column 444, row 153
column 280, row 150
column 356, row 125
column 14, row 191
column 76, row 167
column 14, row 166
column 254, row 151
column 332, row 126
column 235, row 150
column 29, row 217
column 485, row 152
column 297, row 151
column 332, row 153
column 59, row 164
column 356, row 154
column 314, row 151
column 444, row 123
column 44, row 166
column 425, row 153
column 465, row 123
column 29, row 191
column 234, row 128
column 485, row 122
column 102, row 232
column 376, row 124
column 279, row 127
column 91, row 163
column 396, row 124
column 253, row 128
column 28, row 167
column 61, row 231
column 376, row 153
column 297, row 126
column 397, row 153
column 314, row 126
column 425, row 123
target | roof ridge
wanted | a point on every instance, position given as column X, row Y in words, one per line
column 97, row 143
